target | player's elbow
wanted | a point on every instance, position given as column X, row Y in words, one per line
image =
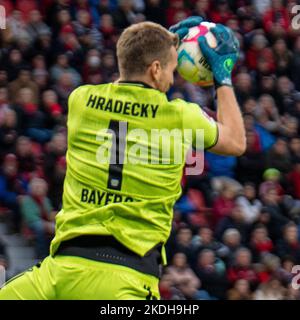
column 240, row 147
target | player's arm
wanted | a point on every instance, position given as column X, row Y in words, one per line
column 232, row 137
column 231, row 131
column 231, row 140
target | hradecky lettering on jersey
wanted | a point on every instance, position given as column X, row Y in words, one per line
column 125, row 107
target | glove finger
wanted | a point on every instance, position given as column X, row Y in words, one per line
column 192, row 22
column 182, row 32
column 204, row 46
column 236, row 43
column 221, row 32
column 175, row 27
column 187, row 23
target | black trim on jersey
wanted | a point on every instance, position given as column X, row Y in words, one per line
column 216, row 139
column 139, row 83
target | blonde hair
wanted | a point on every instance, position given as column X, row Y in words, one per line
column 142, row 43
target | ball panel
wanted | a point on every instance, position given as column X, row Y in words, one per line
column 192, row 65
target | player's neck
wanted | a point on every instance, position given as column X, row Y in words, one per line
column 144, row 80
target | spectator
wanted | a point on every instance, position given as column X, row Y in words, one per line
column 268, row 267
column 35, row 25
column 108, row 30
column 289, row 245
column 62, row 66
column 176, row 12
column 240, row 291
column 283, row 57
column 183, row 242
column 271, row 290
column 260, row 243
column 221, row 165
column 278, row 156
column 221, row 12
column 205, row 240
column 11, row 187
column 181, row 273
column 38, row 215
column 25, row 158
column 276, row 20
column 88, row 35
column 234, row 220
column 23, row 81
column 290, row 126
column 242, row 268
column 232, row 241
column 63, row 87
column 53, row 110
column 296, row 63
column 224, row 203
column 267, row 114
column 124, row 16
column 8, row 131
column 276, row 218
column 211, row 273
column 272, row 178
column 168, row 290
column 259, row 49
column 285, row 90
column 243, row 87
column 251, row 164
column 249, row 204
column 33, row 119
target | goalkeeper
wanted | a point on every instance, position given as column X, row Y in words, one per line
column 116, row 216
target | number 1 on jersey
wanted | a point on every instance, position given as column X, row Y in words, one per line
column 117, row 154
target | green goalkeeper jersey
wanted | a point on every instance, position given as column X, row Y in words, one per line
column 123, row 172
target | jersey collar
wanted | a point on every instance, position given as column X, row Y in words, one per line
column 136, row 83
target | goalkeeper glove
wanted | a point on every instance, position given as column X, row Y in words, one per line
column 223, row 57
column 182, row 28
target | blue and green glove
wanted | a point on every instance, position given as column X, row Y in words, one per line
column 223, row 57
column 182, row 28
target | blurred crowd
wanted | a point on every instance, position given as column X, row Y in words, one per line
column 236, row 228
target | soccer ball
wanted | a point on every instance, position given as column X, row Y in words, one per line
column 192, row 65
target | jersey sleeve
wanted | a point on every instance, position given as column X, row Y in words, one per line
column 72, row 98
column 201, row 124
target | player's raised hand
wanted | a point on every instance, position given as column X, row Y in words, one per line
column 182, row 28
column 223, row 57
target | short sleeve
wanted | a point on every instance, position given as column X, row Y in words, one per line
column 202, row 126
column 71, row 99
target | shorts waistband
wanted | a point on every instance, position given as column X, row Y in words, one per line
column 108, row 249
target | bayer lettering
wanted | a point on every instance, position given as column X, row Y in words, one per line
column 102, row 198
column 171, row 309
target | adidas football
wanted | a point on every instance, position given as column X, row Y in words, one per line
column 192, row 65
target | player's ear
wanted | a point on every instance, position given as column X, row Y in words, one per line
column 155, row 70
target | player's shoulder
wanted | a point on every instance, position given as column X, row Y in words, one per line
column 184, row 106
column 87, row 88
